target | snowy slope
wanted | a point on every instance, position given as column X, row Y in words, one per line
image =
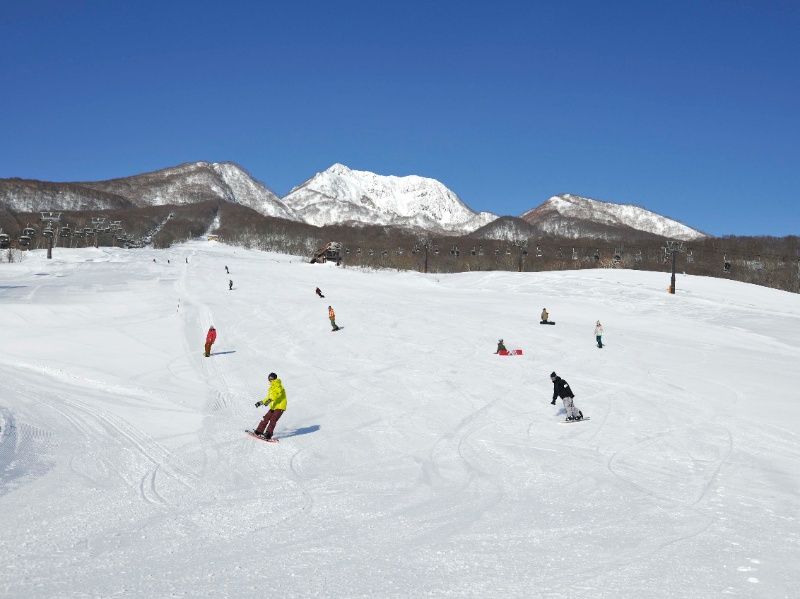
column 341, row 195
column 567, row 214
column 185, row 184
column 413, row 461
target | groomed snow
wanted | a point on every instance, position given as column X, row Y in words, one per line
column 413, row 461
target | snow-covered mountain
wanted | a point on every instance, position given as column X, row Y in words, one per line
column 185, row 184
column 574, row 216
column 340, row 195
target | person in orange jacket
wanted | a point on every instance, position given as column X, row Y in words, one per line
column 332, row 316
column 211, row 337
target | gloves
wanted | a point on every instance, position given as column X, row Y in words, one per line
column 258, row 403
column 552, row 403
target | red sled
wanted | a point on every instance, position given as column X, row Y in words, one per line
column 513, row 352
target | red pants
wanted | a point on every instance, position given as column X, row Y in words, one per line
column 270, row 418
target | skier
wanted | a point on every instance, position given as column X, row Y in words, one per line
column 561, row 389
column 500, row 347
column 598, row 333
column 276, row 399
column 230, row 285
column 544, row 316
column 332, row 316
column 211, row 337
column 319, row 293
column 227, row 272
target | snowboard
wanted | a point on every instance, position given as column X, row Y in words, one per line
column 513, row 352
column 548, row 322
column 584, row 419
column 254, row 435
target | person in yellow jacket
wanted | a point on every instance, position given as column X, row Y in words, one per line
column 332, row 316
column 276, row 399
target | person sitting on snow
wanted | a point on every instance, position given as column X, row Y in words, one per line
column 500, row 347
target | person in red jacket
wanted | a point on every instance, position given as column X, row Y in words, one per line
column 211, row 337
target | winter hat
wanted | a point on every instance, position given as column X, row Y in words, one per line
column 272, row 376
column 211, row 327
column 553, row 374
column 499, row 340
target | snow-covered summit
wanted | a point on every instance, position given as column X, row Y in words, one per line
column 569, row 215
column 342, row 195
column 184, row 184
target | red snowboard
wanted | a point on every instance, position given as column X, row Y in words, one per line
column 513, row 352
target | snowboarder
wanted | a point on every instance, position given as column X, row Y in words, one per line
column 230, row 285
column 544, row 315
column 561, row 389
column 276, row 399
column 319, row 293
column 211, row 337
column 332, row 316
column 500, row 346
column 598, row 334
column 227, row 272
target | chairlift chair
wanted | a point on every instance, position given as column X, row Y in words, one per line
column 29, row 231
column 5, row 240
column 48, row 232
column 559, row 254
column 690, row 258
column 508, row 251
column 574, row 254
column 24, row 240
column 726, row 265
column 473, row 251
column 639, row 256
column 66, row 231
column 597, row 255
column 480, row 250
column 538, row 252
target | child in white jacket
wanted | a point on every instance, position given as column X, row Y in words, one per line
column 598, row 333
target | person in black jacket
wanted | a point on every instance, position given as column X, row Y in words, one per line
column 562, row 389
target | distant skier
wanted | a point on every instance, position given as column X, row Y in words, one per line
column 332, row 316
column 211, row 337
column 500, row 347
column 561, row 389
column 598, row 334
column 276, row 399
column 319, row 293
column 227, row 271
column 230, row 285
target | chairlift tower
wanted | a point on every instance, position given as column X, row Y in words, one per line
column 50, row 218
column 669, row 250
column 97, row 222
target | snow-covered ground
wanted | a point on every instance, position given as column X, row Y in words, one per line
column 413, row 461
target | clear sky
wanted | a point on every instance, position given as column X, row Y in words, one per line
column 688, row 108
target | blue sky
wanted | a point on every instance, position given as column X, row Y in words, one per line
column 690, row 109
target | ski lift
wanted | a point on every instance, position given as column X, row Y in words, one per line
column 66, row 231
column 384, row 253
column 574, row 254
column 597, row 255
column 758, row 264
column 78, row 234
column 436, row 250
column 371, row 252
column 454, row 251
column 5, row 240
column 726, row 265
column 473, row 251
column 24, row 240
column 538, row 252
column 399, row 251
column 508, row 251
column 29, row 231
column 358, row 251
column 559, row 254
column 48, row 232
column 617, row 256
column 480, row 250
column 87, row 231
column 690, row 257
column 639, row 256
column 496, row 251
